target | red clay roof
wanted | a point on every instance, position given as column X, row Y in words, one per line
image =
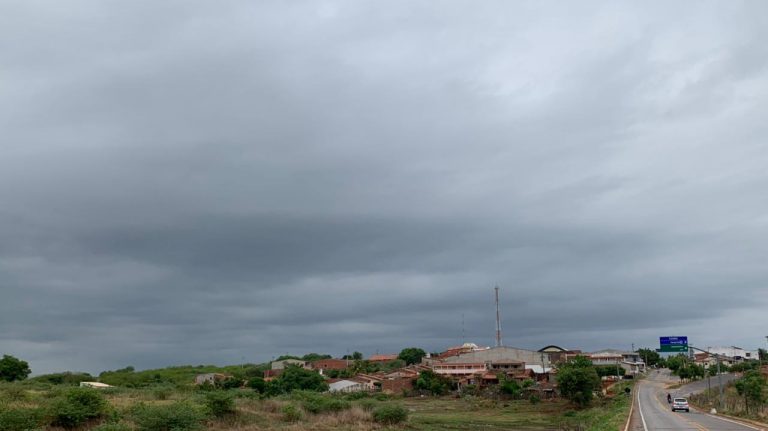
column 382, row 358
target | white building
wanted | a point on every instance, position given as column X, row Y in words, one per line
column 630, row 361
column 347, row 386
column 95, row 385
column 735, row 354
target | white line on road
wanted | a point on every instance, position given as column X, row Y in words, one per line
column 640, row 409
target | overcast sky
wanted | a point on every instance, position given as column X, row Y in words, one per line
column 196, row 182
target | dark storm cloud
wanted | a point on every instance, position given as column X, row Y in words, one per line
column 188, row 182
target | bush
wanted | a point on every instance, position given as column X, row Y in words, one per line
column 294, row 378
column 20, row 419
column 356, row 395
column 257, row 384
column 511, row 387
column 112, row 427
column 534, row 399
column 291, row 413
column 220, row 404
column 232, row 383
column 162, row 392
column 65, row 378
column 390, row 414
column 179, row 416
column 367, row 404
column 325, row 405
column 77, row 406
column 12, row 392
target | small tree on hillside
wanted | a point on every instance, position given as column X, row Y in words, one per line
column 412, row 355
column 578, row 380
column 650, row 356
column 12, row 369
column 433, row 383
column 753, row 388
column 297, row 378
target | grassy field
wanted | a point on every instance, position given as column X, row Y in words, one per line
column 166, row 407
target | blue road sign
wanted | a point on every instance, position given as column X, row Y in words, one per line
column 673, row 344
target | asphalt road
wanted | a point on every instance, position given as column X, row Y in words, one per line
column 655, row 413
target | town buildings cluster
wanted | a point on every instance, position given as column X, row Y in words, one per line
column 469, row 364
column 464, row 365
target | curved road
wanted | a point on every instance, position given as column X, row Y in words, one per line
column 655, row 414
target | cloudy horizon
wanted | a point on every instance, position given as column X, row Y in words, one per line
column 187, row 182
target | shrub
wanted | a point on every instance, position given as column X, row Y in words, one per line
column 179, row 416
column 12, row 392
column 257, row 384
column 232, row 383
column 220, row 404
column 112, row 427
column 20, row 419
column 162, row 392
column 325, row 405
column 77, row 406
column 356, row 395
column 294, row 378
column 534, row 399
column 390, row 414
column 291, row 413
column 367, row 404
column 511, row 387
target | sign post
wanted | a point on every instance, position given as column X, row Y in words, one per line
column 673, row 344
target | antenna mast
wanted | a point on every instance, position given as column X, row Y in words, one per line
column 498, row 319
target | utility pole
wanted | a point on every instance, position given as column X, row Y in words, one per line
column 498, row 319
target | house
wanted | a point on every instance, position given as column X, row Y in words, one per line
column 506, row 366
column 369, row 381
column 95, row 385
column 629, row 361
column 383, row 358
column 329, row 364
column 210, row 378
column 558, row 354
column 732, row 354
column 496, row 354
column 346, row 386
column 458, row 350
column 281, row 365
column 459, row 369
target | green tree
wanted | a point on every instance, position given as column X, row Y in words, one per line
column 257, row 384
column 753, row 388
column 650, row 356
column 676, row 362
column 578, row 380
column 309, row 357
column 411, row 355
column 355, row 356
column 762, row 354
column 510, row 387
column 433, row 383
column 297, row 378
column 12, row 369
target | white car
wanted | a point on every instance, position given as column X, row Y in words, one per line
column 680, row 404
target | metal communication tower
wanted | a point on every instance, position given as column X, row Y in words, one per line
column 498, row 319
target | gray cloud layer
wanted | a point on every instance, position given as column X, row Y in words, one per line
column 190, row 182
